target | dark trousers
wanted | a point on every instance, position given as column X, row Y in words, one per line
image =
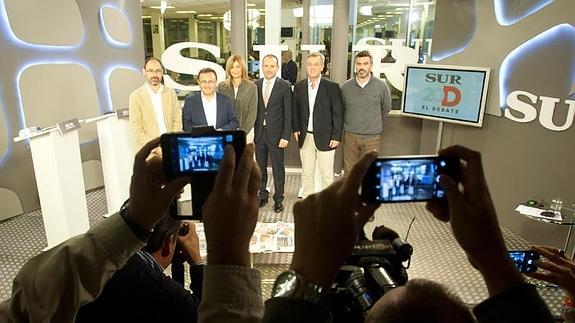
column 263, row 147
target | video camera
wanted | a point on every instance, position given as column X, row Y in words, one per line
column 374, row 268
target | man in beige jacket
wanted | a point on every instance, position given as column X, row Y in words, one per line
column 154, row 108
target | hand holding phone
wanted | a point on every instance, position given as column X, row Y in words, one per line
column 526, row 261
column 407, row 178
column 198, row 156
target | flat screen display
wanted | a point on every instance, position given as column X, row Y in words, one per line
column 452, row 94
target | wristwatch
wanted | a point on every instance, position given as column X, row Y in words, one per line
column 292, row 285
column 140, row 232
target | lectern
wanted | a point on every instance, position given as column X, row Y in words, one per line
column 58, row 169
column 117, row 150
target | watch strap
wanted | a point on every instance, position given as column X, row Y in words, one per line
column 297, row 288
column 137, row 229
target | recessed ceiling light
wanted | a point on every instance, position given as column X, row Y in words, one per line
column 251, row 5
column 186, row 11
column 158, row 7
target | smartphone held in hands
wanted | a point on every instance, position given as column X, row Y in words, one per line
column 198, row 156
column 407, row 178
column 526, row 261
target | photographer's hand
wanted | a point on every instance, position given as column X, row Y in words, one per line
column 474, row 221
column 231, row 210
column 190, row 244
column 327, row 225
column 557, row 269
column 150, row 193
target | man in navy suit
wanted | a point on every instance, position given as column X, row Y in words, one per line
column 209, row 108
column 272, row 129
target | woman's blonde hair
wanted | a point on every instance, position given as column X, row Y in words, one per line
column 235, row 58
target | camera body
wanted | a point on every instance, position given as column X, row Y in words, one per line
column 198, row 155
column 374, row 268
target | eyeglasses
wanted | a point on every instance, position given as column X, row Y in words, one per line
column 158, row 71
column 207, row 82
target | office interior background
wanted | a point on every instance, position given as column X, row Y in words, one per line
column 67, row 59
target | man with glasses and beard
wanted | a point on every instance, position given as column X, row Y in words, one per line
column 367, row 101
column 154, row 108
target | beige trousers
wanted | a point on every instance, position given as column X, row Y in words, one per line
column 250, row 137
column 309, row 155
column 355, row 146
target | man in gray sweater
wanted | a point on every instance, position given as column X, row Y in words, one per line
column 367, row 101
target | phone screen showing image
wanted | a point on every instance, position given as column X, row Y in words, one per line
column 406, row 179
column 185, row 154
column 525, row 261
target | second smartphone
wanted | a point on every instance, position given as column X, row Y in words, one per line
column 526, row 261
column 407, row 178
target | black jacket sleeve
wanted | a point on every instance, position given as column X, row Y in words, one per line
column 282, row 309
column 287, row 107
column 197, row 278
column 337, row 112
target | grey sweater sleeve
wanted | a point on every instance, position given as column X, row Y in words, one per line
column 386, row 99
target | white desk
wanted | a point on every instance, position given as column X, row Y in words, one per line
column 58, row 170
column 117, row 151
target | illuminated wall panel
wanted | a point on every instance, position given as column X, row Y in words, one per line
column 50, row 91
column 115, row 26
column 34, row 21
column 123, row 81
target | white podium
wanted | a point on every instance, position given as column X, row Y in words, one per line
column 58, row 170
column 117, row 151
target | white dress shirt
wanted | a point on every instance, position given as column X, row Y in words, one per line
column 210, row 109
column 311, row 95
column 158, row 107
column 364, row 83
column 268, row 85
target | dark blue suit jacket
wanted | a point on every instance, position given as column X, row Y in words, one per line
column 277, row 114
column 140, row 293
column 193, row 113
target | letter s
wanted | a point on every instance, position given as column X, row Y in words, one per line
column 175, row 62
column 529, row 112
column 429, row 77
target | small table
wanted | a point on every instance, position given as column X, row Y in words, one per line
column 544, row 215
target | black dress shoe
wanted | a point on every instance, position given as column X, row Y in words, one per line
column 278, row 207
column 263, row 202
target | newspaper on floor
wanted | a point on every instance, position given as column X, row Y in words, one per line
column 268, row 237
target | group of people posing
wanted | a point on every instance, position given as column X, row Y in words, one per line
column 318, row 113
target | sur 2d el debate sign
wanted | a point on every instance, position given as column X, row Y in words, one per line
column 452, row 94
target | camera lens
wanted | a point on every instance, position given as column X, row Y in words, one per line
column 184, row 229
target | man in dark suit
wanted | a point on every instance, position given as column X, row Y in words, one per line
column 317, row 123
column 272, row 128
column 141, row 292
column 209, row 108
